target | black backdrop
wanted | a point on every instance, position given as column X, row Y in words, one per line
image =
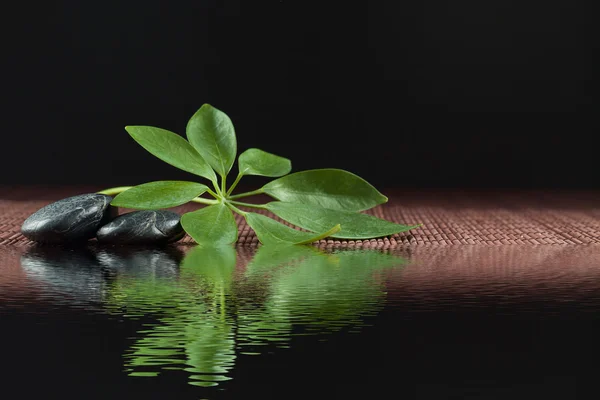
column 424, row 93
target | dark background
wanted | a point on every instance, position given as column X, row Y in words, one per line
column 430, row 93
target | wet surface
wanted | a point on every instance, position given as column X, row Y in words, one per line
column 444, row 322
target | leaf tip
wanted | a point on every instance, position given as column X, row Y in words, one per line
column 335, row 229
column 130, row 129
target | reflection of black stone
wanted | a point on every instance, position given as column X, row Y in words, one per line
column 63, row 256
column 142, row 227
column 75, row 272
column 83, row 274
column 74, row 219
column 142, row 262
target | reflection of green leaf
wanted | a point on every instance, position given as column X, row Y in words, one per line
column 268, row 257
column 141, row 296
column 323, row 292
column 214, row 264
column 193, row 323
column 203, row 316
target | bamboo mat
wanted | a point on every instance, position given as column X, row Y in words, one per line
column 449, row 218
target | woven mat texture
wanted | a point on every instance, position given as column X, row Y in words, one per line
column 448, row 217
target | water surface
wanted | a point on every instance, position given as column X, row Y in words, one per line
column 201, row 322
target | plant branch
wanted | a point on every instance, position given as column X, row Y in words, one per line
column 330, row 232
column 217, row 189
column 204, row 201
column 234, row 208
column 213, row 194
column 115, row 190
column 239, row 203
column 252, row 193
column 223, row 185
column 234, row 184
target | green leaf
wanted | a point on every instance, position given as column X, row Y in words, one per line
column 335, row 189
column 270, row 231
column 212, row 224
column 354, row 225
column 172, row 149
column 211, row 133
column 259, row 162
column 159, row 194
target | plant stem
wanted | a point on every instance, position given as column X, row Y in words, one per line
column 217, row 189
column 330, row 232
column 120, row 189
column 234, row 208
column 115, row 190
column 223, row 185
column 234, row 184
column 239, row 203
column 204, row 201
column 213, row 194
column 237, row 196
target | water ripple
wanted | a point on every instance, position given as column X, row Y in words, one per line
column 198, row 310
column 202, row 308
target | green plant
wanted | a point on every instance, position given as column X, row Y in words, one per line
column 324, row 202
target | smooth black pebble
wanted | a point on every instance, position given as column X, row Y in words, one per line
column 142, row 227
column 70, row 220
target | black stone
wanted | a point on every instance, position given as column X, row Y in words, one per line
column 70, row 220
column 142, row 227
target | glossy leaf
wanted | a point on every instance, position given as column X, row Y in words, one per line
column 259, row 162
column 211, row 133
column 212, row 224
column 335, row 189
column 159, row 194
column 354, row 225
column 172, row 149
column 270, row 231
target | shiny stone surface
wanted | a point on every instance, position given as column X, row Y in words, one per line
column 70, row 220
column 142, row 227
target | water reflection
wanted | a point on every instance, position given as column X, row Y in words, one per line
column 202, row 309
column 160, row 263
column 82, row 276
column 193, row 330
column 309, row 290
column 75, row 274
